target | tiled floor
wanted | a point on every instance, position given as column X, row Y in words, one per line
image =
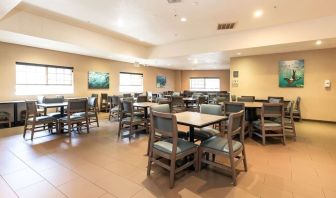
column 97, row 165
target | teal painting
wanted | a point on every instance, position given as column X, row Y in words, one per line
column 291, row 73
column 99, row 80
column 161, row 81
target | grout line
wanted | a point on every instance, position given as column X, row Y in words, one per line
column 9, row 186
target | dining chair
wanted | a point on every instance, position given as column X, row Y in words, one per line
column 272, row 99
column 104, row 102
column 35, row 123
column 114, row 107
column 149, row 95
column 297, row 109
column 233, row 98
column 5, row 118
column 271, row 123
column 230, row 148
column 234, row 107
column 92, row 111
column 219, row 100
column 129, row 120
column 127, row 95
column 246, row 99
column 172, row 148
column 142, row 99
column 204, row 133
column 289, row 123
column 76, row 106
column 177, row 104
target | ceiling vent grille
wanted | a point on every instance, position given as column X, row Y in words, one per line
column 174, row 1
column 226, row 26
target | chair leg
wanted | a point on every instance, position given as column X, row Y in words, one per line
column 233, row 170
column 244, row 160
column 87, row 125
column 9, row 124
column 25, row 130
column 200, row 155
column 283, row 136
column 196, row 161
column 294, row 130
column 149, row 166
column 263, row 136
column 97, row 120
column 130, row 133
column 172, row 173
column 32, row 132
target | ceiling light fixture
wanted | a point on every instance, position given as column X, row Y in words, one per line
column 195, row 61
column 318, row 42
column 258, row 13
column 183, row 19
column 120, row 23
column 238, row 53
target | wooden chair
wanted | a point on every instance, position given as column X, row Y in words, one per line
column 172, row 148
column 271, row 123
column 142, row 99
column 114, row 107
column 92, row 111
column 127, row 95
column 297, row 109
column 76, row 106
column 205, row 133
column 234, row 107
column 246, row 99
column 272, row 99
column 130, row 120
column 5, row 118
column 104, row 102
column 96, row 96
column 289, row 121
column 35, row 123
column 177, row 104
column 234, row 150
column 233, row 98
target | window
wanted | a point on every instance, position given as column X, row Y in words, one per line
column 34, row 79
column 204, row 84
column 131, row 83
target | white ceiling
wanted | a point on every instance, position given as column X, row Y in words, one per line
column 154, row 21
column 155, row 27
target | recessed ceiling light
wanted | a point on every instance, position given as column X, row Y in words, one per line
column 318, row 42
column 120, row 23
column 258, row 13
column 238, row 53
column 195, row 61
column 183, row 19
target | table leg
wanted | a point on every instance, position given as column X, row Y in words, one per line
column 146, row 118
column 191, row 134
column 15, row 114
column 62, row 111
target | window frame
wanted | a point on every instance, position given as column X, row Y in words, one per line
column 204, row 83
column 131, row 85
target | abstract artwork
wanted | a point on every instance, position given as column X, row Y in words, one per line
column 99, row 80
column 161, row 81
column 291, row 73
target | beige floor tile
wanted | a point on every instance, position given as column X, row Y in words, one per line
column 81, row 188
column 107, row 195
column 42, row 163
column 118, row 186
column 5, row 190
column 41, row 189
column 91, row 172
column 22, row 178
column 58, row 175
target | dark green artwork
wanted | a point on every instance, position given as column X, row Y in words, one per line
column 161, row 81
column 99, row 80
column 291, row 73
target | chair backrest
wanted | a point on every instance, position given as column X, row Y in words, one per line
column 103, row 97
column 211, row 109
column 246, row 99
column 163, row 108
column 127, row 95
column 235, row 127
column 57, row 99
column 142, row 99
column 297, row 103
column 219, row 100
column 233, row 98
column 31, row 110
column 177, row 101
column 201, row 100
column 127, row 107
column 165, row 124
column 94, row 95
column 40, row 99
column 92, row 103
column 272, row 99
column 233, row 107
column 290, row 109
column 115, row 101
column 272, row 110
column 77, row 106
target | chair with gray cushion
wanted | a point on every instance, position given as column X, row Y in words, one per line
column 246, row 99
column 35, row 123
column 172, row 148
column 104, row 105
column 130, row 120
column 271, row 122
column 177, row 104
column 208, row 132
column 74, row 120
column 114, row 107
column 234, row 107
column 234, row 150
column 5, row 118
column 289, row 121
column 272, row 99
column 297, row 109
column 92, row 111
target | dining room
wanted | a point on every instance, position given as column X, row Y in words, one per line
column 159, row 101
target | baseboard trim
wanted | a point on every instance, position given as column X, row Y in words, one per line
column 323, row 121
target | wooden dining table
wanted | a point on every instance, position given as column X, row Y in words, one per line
column 198, row 120
column 189, row 100
column 54, row 105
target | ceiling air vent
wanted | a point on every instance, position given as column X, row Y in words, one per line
column 225, row 26
column 174, row 1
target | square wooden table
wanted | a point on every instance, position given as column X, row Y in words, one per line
column 54, row 105
column 198, row 120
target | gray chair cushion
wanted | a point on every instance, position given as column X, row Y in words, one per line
column 211, row 109
column 267, row 123
column 167, row 145
column 115, row 109
column 72, row 118
column 205, row 133
column 163, row 108
column 82, row 114
column 221, row 144
column 4, row 116
column 43, row 119
column 135, row 119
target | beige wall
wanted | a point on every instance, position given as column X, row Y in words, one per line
column 258, row 76
column 224, row 76
column 10, row 53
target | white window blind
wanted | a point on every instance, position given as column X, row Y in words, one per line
column 130, row 82
column 204, row 84
column 35, row 79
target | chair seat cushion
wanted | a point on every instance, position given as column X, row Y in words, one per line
column 43, row 119
column 115, row 109
column 136, row 113
column 4, row 116
column 221, row 144
column 180, row 134
column 135, row 119
column 205, row 133
column 167, row 145
column 72, row 118
column 267, row 123
column 82, row 114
